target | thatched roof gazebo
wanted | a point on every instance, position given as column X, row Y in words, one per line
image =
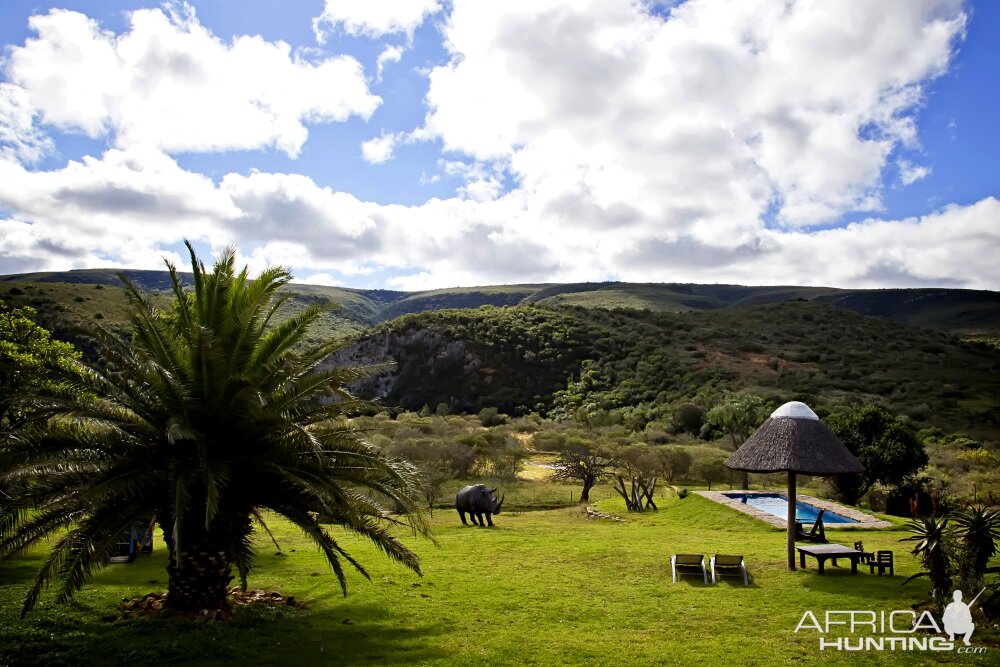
column 794, row 439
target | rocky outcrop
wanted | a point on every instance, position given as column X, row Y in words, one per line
column 429, row 367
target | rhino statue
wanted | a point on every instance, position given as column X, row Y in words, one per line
column 477, row 500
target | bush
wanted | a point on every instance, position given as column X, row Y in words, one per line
column 688, row 418
column 491, row 417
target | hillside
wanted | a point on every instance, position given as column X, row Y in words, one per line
column 962, row 312
column 559, row 361
column 638, row 350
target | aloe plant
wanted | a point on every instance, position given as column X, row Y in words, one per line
column 930, row 534
column 978, row 534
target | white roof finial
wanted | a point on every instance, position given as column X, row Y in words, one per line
column 795, row 410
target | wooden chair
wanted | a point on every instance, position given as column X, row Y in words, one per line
column 734, row 565
column 882, row 560
column 691, row 563
column 816, row 534
column 860, row 546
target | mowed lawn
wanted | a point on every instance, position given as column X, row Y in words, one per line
column 546, row 588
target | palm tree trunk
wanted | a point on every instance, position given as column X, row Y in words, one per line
column 198, row 578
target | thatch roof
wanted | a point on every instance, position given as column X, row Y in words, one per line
column 793, row 438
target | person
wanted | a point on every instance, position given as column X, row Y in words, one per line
column 958, row 619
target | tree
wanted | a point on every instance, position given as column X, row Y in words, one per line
column 675, row 461
column 887, row 446
column 738, row 417
column 500, row 455
column 712, row 469
column 688, row 417
column 29, row 359
column 585, row 461
column 638, row 464
column 438, row 461
column 491, row 417
column 208, row 418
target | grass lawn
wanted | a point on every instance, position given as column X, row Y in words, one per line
column 545, row 588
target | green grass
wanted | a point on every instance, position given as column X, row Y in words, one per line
column 545, row 588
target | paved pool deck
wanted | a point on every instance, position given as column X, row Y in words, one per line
column 863, row 520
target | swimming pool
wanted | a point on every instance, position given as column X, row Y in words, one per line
column 777, row 505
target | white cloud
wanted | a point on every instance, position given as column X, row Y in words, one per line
column 19, row 138
column 169, row 83
column 910, row 173
column 120, row 210
column 701, row 120
column 380, row 149
column 593, row 141
column 390, row 54
column 322, row 279
column 373, row 18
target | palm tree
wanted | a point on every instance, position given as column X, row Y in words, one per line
column 209, row 418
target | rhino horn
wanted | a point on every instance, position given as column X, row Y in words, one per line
column 500, row 504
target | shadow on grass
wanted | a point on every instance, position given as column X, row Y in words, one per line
column 840, row 581
column 83, row 634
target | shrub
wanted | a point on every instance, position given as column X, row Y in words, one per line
column 491, row 417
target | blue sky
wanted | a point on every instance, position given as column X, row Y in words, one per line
column 417, row 144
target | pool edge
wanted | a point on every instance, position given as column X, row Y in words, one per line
column 863, row 520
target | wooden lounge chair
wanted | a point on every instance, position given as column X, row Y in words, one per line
column 816, row 534
column 722, row 565
column 690, row 563
column 882, row 561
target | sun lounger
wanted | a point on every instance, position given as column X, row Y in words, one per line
column 816, row 534
column 722, row 564
column 688, row 563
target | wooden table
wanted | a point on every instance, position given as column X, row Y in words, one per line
column 823, row 552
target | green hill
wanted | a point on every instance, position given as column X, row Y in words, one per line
column 964, row 312
column 641, row 365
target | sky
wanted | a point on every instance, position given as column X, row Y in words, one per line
column 420, row 144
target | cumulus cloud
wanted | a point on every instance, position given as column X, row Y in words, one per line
column 19, row 138
column 723, row 107
column 910, row 173
column 390, row 54
column 380, row 149
column 168, row 82
column 592, row 140
column 373, row 19
column 120, row 210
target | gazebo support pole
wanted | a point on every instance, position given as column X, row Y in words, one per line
column 791, row 519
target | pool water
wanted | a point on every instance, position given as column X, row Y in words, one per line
column 777, row 505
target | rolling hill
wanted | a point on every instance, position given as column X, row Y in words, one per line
column 635, row 350
column 960, row 311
